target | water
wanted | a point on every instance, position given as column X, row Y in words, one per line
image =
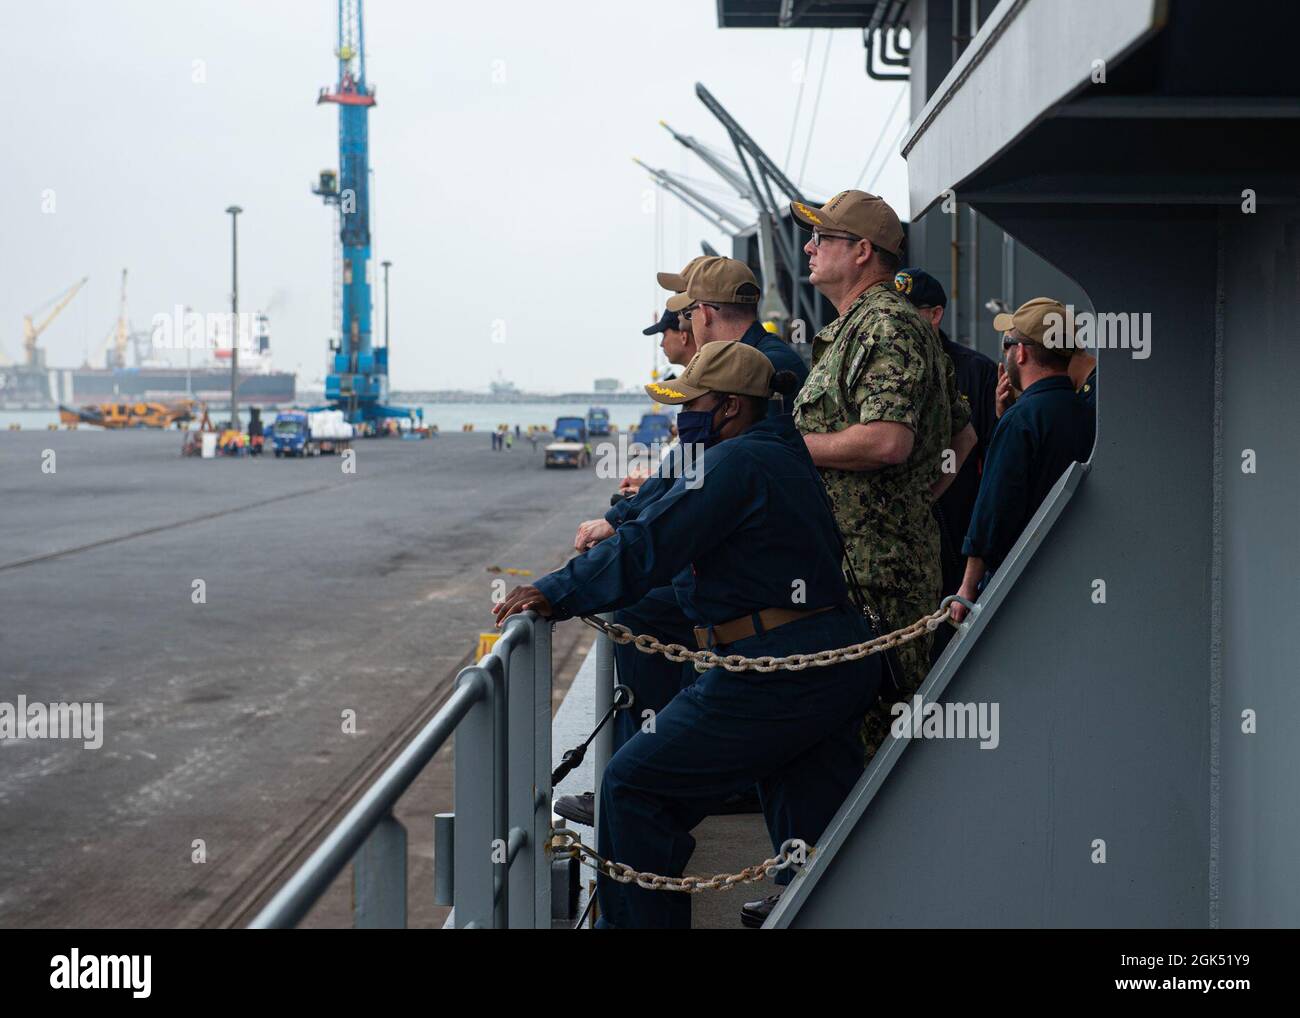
column 486, row 416
column 31, row 420
column 447, row 416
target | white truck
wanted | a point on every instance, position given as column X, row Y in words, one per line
column 570, row 447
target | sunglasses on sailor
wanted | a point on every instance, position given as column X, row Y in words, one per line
column 695, row 307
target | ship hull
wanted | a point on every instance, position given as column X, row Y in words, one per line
column 271, row 389
column 38, row 389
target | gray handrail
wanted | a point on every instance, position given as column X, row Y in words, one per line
column 499, row 714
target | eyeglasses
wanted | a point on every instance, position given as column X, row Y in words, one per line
column 818, row 236
column 695, row 307
column 1008, row 342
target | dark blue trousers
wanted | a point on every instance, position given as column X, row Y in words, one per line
column 653, row 679
column 795, row 734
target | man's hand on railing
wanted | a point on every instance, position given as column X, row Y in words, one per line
column 970, row 589
column 591, row 533
column 521, row 599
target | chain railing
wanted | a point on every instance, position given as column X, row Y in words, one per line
column 795, row 662
column 498, row 874
column 567, row 844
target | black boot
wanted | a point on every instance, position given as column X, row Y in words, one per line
column 753, row 914
column 581, row 809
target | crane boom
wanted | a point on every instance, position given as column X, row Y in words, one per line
column 122, row 330
column 32, row 332
column 357, row 379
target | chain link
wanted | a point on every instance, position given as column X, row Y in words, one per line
column 647, row 644
column 567, row 844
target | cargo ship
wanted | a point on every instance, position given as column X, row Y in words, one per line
column 210, row 385
column 38, row 387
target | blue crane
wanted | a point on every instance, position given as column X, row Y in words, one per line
column 357, row 382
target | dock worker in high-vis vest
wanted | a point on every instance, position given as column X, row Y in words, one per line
column 756, row 560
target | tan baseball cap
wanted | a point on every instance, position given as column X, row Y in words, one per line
column 678, row 302
column 722, row 281
column 1030, row 320
column 856, row 212
column 676, row 281
column 732, row 368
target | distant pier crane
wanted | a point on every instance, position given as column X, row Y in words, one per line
column 35, row 358
column 357, row 379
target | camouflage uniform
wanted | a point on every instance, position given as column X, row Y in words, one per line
column 880, row 361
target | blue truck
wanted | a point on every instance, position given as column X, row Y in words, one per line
column 653, row 428
column 598, row 421
column 570, row 448
column 303, row 433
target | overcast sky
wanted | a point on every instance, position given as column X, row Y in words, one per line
column 513, row 201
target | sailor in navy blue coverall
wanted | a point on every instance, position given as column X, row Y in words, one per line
column 755, row 540
column 654, row 680
column 1047, row 428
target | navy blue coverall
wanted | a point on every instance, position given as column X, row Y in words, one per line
column 654, row 680
column 977, row 380
column 756, row 533
column 1041, row 434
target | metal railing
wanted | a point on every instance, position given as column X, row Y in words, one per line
column 498, row 871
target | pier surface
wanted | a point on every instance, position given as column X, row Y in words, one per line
column 322, row 592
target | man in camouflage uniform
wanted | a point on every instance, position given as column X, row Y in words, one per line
column 883, row 420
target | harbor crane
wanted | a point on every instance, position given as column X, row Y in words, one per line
column 357, row 379
column 35, row 358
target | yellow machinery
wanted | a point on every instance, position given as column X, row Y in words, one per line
column 139, row 414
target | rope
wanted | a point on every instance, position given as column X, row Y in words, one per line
column 812, row 126
column 881, row 136
column 798, row 104
column 893, row 147
column 647, row 644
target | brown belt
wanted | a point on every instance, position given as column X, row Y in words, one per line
column 743, row 627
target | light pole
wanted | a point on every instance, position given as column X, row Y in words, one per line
column 234, row 211
column 388, row 336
